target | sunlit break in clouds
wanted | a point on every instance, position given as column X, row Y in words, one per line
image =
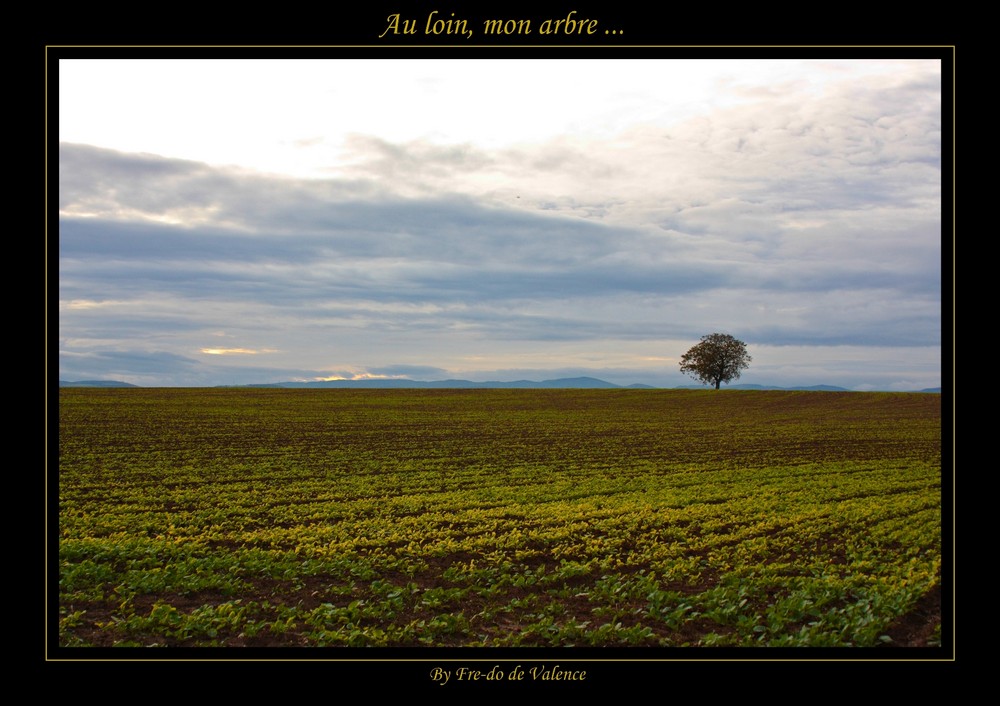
column 230, row 351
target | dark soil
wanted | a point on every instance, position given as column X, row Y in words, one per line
column 916, row 628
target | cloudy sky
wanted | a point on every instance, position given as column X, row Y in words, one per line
column 250, row 221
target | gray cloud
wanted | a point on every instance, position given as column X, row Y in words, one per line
column 127, row 363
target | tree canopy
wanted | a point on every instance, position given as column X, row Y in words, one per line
column 719, row 358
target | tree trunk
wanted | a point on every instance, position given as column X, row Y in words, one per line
column 717, row 384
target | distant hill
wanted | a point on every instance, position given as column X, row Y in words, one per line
column 560, row 383
column 820, row 388
column 747, row 386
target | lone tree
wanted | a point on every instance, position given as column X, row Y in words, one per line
column 718, row 359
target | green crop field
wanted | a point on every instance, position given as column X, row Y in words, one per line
column 405, row 518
